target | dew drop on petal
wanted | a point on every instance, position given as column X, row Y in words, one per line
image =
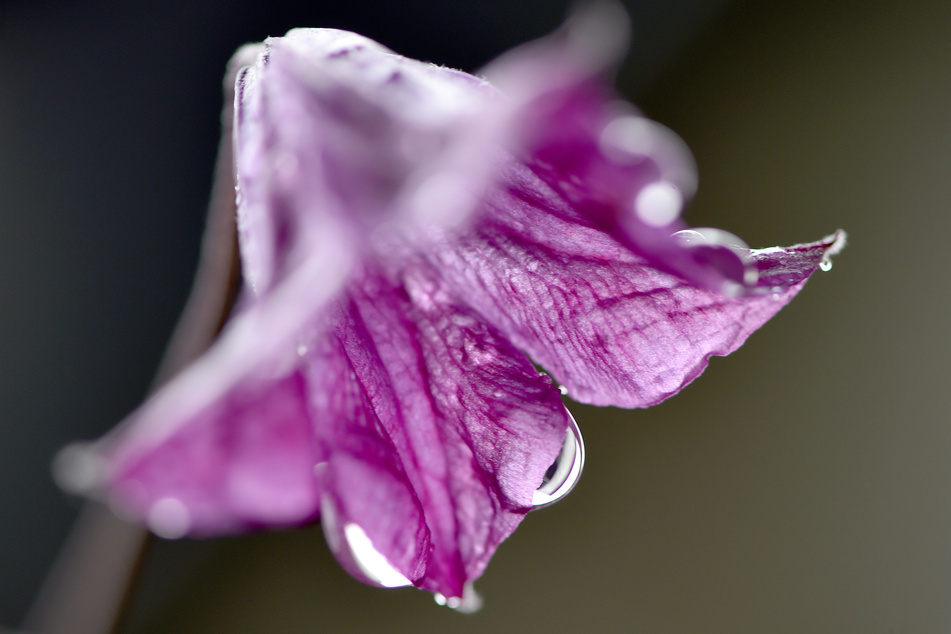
column 169, row 518
column 710, row 236
column 565, row 472
column 826, row 265
column 469, row 602
column 563, row 390
column 723, row 251
column 372, row 562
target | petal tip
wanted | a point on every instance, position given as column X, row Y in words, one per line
column 79, row 469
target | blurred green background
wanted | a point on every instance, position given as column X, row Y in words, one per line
column 800, row 485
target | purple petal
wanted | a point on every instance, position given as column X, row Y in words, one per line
column 607, row 324
column 406, row 233
column 619, row 172
column 376, row 140
column 437, row 434
column 245, row 462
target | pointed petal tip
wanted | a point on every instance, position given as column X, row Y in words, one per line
column 836, row 241
column 79, row 469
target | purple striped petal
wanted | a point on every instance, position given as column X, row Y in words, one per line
column 607, row 324
column 438, row 433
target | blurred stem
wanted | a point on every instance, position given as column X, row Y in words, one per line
column 90, row 587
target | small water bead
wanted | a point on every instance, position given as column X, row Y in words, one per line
column 563, row 390
column 565, row 472
column 469, row 602
column 826, row 265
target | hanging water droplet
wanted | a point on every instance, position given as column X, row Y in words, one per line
column 826, row 265
column 564, row 473
column 469, row 602
column 563, row 390
column 356, row 546
column 372, row 562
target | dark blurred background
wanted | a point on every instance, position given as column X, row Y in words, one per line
column 800, row 485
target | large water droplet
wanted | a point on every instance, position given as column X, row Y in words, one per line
column 564, row 473
column 826, row 265
column 721, row 250
column 374, row 565
column 372, row 562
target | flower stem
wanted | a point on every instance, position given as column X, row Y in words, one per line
column 90, row 587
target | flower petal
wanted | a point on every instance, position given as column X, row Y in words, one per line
column 376, row 139
column 245, row 462
column 473, row 424
column 619, row 172
column 604, row 321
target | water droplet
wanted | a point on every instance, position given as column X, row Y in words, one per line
column 723, row 251
column 565, row 472
column 469, row 602
column 710, row 236
column 372, row 562
column 563, row 390
column 826, row 265
column 353, row 544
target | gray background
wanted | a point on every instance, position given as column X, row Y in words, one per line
column 799, row 485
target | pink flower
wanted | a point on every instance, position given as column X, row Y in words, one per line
column 412, row 240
